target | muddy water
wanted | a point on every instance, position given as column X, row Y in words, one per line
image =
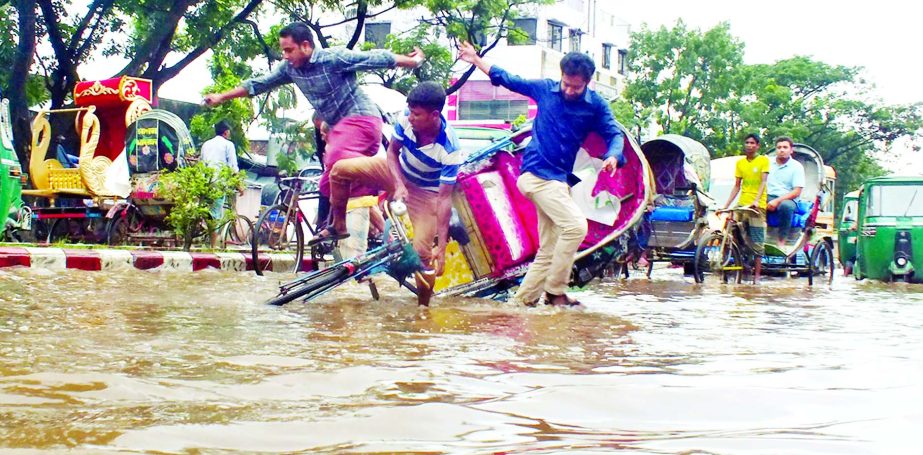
column 149, row 361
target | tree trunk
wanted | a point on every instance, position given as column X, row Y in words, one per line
column 19, row 104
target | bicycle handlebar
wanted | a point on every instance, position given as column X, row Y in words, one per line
column 737, row 209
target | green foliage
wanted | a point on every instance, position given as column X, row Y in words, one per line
column 437, row 67
column 679, row 75
column 227, row 73
column 36, row 92
column 519, row 121
column 193, row 190
column 694, row 83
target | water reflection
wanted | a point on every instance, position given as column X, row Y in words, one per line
column 154, row 361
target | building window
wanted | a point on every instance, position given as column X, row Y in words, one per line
column 377, row 33
column 523, row 32
column 555, row 35
column 507, row 110
column 575, row 35
column 623, row 62
column 607, row 56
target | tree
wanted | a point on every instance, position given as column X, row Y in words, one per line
column 194, row 190
column 483, row 23
column 678, row 75
column 695, row 84
column 186, row 27
column 437, row 66
column 315, row 13
column 22, row 61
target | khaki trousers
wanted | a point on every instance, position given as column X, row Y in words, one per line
column 374, row 172
column 561, row 227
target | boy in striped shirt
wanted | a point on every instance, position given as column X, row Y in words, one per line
column 421, row 168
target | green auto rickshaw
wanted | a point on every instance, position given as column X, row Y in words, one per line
column 15, row 217
column 847, row 233
column 890, row 246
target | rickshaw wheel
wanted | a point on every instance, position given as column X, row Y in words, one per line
column 822, row 262
column 65, row 229
column 120, row 228
column 729, row 265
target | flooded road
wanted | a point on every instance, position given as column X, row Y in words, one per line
column 155, row 361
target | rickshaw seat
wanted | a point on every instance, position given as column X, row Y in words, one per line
column 799, row 219
column 667, row 213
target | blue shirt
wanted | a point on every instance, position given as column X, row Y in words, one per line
column 430, row 165
column 328, row 81
column 785, row 178
column 561, row 126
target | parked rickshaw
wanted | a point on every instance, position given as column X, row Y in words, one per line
column 681, row 170
column 15, row 217
column 847, row 232
column 74, row 197
column 496, row 235
column 890, row 244
column 157, row 141
column 727, row 252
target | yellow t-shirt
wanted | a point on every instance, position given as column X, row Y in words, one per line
column 750, row 174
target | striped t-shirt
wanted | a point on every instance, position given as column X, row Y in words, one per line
column 430, row 165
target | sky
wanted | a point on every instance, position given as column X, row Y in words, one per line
column 882, row 36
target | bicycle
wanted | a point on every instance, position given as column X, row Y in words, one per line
column 729, row 253
column 281, row 223
column 395, row 256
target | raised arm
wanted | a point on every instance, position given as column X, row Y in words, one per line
column 252, row 87
column 498, row 76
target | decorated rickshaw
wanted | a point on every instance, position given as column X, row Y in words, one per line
column 678, row 215
column 157, row 141
column 495, row 236
column 74, row 197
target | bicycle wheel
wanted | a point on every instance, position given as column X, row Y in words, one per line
column 123, row 226
column 238, row 233
column 821, row 264
column 277, row 230
column 713, row 260
column 314, row 285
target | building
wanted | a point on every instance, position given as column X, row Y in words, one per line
column 548, row 32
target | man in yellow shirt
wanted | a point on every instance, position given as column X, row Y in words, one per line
column 751, row 172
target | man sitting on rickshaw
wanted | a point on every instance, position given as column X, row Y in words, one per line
column 751, row 174
column 786, row 180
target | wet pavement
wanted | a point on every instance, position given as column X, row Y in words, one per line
column 141, row 361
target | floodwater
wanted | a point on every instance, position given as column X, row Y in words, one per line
column 179, row 363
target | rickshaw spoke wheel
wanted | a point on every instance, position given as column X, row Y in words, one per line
column 822, row 262
column 713, row 260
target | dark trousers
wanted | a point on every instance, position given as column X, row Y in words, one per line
column 786, row 211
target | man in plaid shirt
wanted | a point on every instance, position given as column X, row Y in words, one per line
column 327, row 78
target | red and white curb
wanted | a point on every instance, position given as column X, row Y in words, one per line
column 93, row 260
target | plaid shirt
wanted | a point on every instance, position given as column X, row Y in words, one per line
column 328, row 81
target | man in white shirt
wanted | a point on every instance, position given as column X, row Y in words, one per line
column 218, row 152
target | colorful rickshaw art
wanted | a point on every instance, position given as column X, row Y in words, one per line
column 74, row 197
column 494, row 237
column 156, row 142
